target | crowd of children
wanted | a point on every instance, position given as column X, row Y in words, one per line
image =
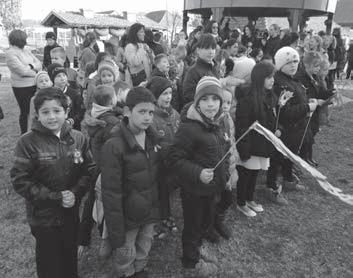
column 181, row 125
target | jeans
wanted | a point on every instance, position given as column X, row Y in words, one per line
column 132, row 257
column 23, row 97
column 56, row 248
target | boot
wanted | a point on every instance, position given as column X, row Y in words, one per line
column 220, row 226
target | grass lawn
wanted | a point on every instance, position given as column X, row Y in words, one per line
column 311, row 237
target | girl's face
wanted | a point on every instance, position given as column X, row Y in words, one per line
column 259, row 56
column 227, row 101
column 215, row 28
column 269, row 81
column 52, row 115
column 206, row 54
column 141, row 34
column 290, row 68
column 107, row 77
column 44, row 82
column 165, row 98
column 247, row 31
column 209, row 106
column 60, row 80
column 233, row 50
column 313, row 68
column 313, row 44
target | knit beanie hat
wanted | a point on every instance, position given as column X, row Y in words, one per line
column 40, row 73
column 285, row 55
column 243, row 67
column 157, row 85
column 106, row 66
column 50, row 35
column 54, row 70
column 208, row 85
column 261, row 71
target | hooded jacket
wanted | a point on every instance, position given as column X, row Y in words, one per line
column 45, row 165
column 129, row 182
column 198, row 145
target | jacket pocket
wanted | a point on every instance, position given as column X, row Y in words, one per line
column 137, row 207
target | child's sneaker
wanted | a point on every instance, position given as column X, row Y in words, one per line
column 207, row 256
column 255, row 206
column 276, row 196
column 205, row 269
column 246, row 211
column 160, row 231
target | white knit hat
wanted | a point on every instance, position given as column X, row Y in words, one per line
column 243, row 67
column 285, row 55
column 208, row 85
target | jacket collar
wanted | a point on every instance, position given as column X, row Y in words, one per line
column 195, row 115
column 203, row 63
column 164, row 113
column 38, row 127
column 152, row 138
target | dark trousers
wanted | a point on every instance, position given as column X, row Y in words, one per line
column 225, row 202
column 23, row 97
column 349, row 69
column 246, row 185
column 199, row 214
column 137, row 78
column 164, row 198
column 279, row 162
column 56, row 248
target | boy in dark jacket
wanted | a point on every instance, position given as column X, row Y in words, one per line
column 53, row 167
column 51, row 43
column 198, row 147
column 204, row 65
column 166, row 122
column 130, row 187
column 58, row 76
column 103, row 117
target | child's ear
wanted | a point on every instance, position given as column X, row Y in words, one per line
column 126, row 111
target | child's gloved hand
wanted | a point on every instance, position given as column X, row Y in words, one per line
column 68, row 199
column 206, row 175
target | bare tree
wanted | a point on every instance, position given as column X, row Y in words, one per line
column 175, row 21
column 10, row 13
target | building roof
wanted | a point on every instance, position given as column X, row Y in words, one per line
column 72, row 19
column 343, row 15
column 99, row 20
column 156, row 16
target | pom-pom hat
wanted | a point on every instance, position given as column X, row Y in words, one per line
column 106, row 66
column 285, row 55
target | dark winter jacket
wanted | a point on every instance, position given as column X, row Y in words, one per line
column 272, row 45
column 129, row 182
column 294, row 115
column 254, row 144
column 166, row 124
column 77, row 110
column 196, row 72
column 46, row 165
column 198, row 145
column 100, row 131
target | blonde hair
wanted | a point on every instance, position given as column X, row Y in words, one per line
column 59, row 50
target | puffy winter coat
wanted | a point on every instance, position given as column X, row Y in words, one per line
column 294, row 116
column 254, row 144
column 198, row 145
column 129, row 182
column 46, row 165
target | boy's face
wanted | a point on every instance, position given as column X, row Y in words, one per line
column 163, row 65
column 60, row 80
column 206, row 54
column 44, row 82
column 121, row 95
column 50, row 42
column 227, row 101
column 57, row 59
column 141, row 116
column 165, row 98
column 107, row 77
column 80, row 79
column 209, row 105
column 52, row 115
column 290, row 68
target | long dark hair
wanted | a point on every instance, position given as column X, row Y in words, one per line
column 132, row 34
column 260, row 72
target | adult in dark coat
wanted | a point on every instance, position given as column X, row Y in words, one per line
column 273, row 41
